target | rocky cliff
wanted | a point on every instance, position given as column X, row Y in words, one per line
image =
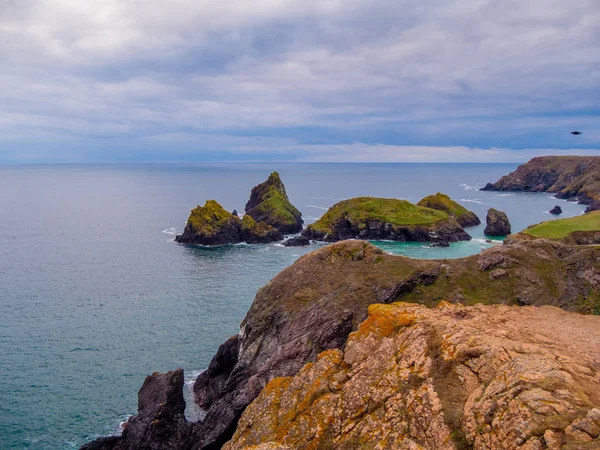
column 314, row 305
column 269, row 203
column 373, row 218
column 569, row 177
column 444, row 203
column 450, row 378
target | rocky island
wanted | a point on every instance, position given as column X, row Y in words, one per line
column 496, row 223
column 568, row 177
column 464, row 375
column 269, row 203
column 385, row 218
column 442, row 202
column 211, row 224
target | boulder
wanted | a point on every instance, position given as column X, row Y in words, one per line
column 497, row 223
column 298, row 241
column 442, row 202
column 269, row 203
column 556, row 210
column 211, row 224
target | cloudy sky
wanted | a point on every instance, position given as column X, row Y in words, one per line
column 307, row 80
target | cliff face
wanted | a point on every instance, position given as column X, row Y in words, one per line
column 455, row 377
column 373, row 218
column 444, row 203
column 269, row 203
column 314, row 305
column 569, row 177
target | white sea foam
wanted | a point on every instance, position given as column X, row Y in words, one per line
column 503, row 195
column 172, row 230
column 468, row 187
column 470, row 200
column 317, row 207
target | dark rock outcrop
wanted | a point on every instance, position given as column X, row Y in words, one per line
column 497, row 223
column 568, row 177
column 556, row 210
column 234, row 213
column 372, row 218
column 259, row 232
column 211, row 224
column 160, row 423
column 269, row 203
column 298, row 241
column 442, row 202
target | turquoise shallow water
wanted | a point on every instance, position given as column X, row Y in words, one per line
column 95, row 295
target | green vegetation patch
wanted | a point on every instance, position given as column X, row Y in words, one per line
column 562, row 228
column 209, row 217
column 389, row 210
column 444, row 203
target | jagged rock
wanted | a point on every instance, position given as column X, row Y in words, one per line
column 298, row 241
column 160, row 423
column 440, row 244
column 556, row 210
column 211, row 225
column 258, row 233
column 497, row 223
column 450, row 378
column 234, row 213
column 314, row 304
column 269, row 203
column 442, row 202
column 373, row 218
column 569, row 177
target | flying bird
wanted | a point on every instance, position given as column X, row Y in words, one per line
column 576, row 133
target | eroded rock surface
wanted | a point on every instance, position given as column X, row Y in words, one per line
column 454, row 377
column 497, row 223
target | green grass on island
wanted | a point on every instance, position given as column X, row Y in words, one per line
column 442, row 202
column 389, row 210
column 562, row 228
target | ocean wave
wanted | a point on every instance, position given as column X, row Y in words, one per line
column 470, row 200
column 172, row 230
column 468, row 187
column 317, row 207
column 503, row 195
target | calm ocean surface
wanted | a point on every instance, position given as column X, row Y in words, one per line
column 95, row 295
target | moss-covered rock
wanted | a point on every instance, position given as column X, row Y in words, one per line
column 579, row 230
column 259, row 232
column 442, row 202
column 211, row 224
column 269, row 203
column 385, row 218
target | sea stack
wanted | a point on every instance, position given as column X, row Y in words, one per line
column 556, row 210
column 442, row 202
column 497, row 223
column 269, row 203
column 211, row 224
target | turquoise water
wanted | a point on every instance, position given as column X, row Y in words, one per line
column 95, row 294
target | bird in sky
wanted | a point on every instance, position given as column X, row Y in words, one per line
column 576, row 133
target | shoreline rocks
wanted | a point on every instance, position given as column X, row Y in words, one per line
column 556, row 210
column 497, row 223
column 298, row 241
column 269, row 203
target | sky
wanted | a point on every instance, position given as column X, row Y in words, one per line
column 298, row 80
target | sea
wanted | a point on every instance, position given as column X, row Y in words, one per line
column 95, row 294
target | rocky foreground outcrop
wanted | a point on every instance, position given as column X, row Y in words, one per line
column 568, row 177
column 450, row 378
column 373, row 218
column 442, row 202
column 313, row 305
column 211, row 224
column 497, row 223
column 269, row 203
